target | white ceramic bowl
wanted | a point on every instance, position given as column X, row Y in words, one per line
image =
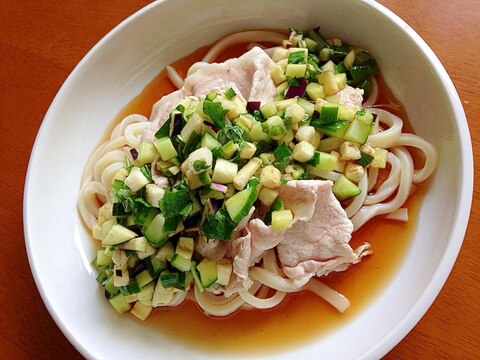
column 128, row 58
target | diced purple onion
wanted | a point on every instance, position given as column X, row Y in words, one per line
column 253, row 105
column 134, row 153
column 315, row 114
column 299, row 90
column 211, row 126
column 216, row 204
column 219, row 187
column 192, row 221
column 138, row 269
column 107, row 294
column 177, row 124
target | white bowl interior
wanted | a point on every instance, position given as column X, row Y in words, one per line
column 119, row 67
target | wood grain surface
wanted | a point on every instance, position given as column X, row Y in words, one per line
column 40, row 44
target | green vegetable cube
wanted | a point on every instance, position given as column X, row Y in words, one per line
column 165, row 148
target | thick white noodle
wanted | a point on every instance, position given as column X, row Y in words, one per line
column 372, row 99
column 358, row 200
column 88, row 203
column 243, row 37
column 399, row 215
column 388, row 187
column 178, row 298
column 431, row 155
column 406, row 176
column 106, row 147
column 262, row 303
column 272, row 280
column 372, row 177
column 387, row 138
column 175, row 77
column 108, row 174
column 119, row 129
column 334, row 298
column 133, row 133
column 115, row 156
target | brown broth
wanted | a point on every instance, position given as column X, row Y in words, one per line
column 303, row 317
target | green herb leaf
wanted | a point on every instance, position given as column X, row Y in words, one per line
column 200, row 165
column 215, row 111
column 296, row 57
column 218, row 226
column 365, row 159
column 164, row 129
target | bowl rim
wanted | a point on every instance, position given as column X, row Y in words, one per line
column 452, row 249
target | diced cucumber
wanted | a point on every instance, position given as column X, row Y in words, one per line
column 224, row 171
column 143, row 278
column 296, row 70
column 246, row 173
column 141, row 311
column 136, row 244
column 154, row 231
column 162, row 296
column 119, row 303
column 103, row 260
column 364, row 116
column 278, row 74
column 357, row 132
column 165, row 253
column 336, row 129
column 247, row 151
column 380, row 158
column 239, row 204
column 329, row 113
column 306, row 105
column 303, row 151
column 185, row 247
column 146, row 293
column 165, row 148
column 346, row 113
column 146, row 153
column 196, row 277
column 295, row 112
column 282, row 219
column 209, row 141
column 193, row 125
column 118, row 234
column 256, row 133
column 224, row 271
column 269, row 109
column 245, row 121
column 149, row 251
column 327, row 79
column 267, row 196
column 155, row 266
column 341, row 80
column 305, row 133
column 344, row 189
column 315, row 91
column 181, row 263
column 136, row 179
column 208, row 272
column 229, row 149
column 326, row 161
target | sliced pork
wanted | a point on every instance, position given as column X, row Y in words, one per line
column 316, row 245
column 248, row 75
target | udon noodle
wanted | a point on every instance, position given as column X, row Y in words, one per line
column 269, row 282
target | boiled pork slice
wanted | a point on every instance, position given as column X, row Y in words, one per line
column 248, row 75
column 318, row 242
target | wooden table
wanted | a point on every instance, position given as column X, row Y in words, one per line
column 40, row 44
